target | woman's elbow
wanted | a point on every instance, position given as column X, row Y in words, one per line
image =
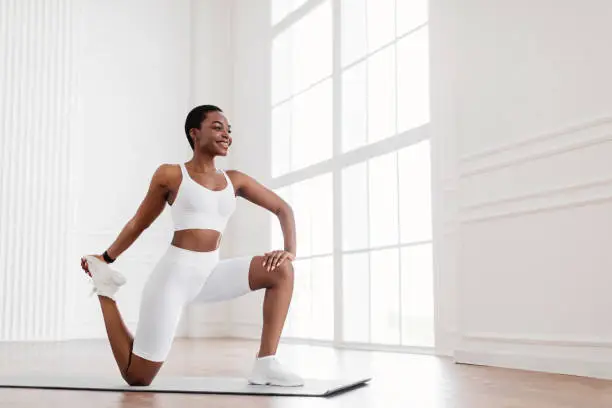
column 284, row 210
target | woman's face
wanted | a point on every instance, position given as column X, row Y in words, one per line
column 213, row 136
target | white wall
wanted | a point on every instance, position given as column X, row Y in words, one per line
column 239, row 83
column 134, row 90
column 522, row 117
column 212, row 83
column 251, row 76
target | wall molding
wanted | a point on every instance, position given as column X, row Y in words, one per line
column 576, row 203
column 571, row 355
column 577, row 195
column 541, row 340
column 205, row 330
column 593, row 368
column 244, row 331
column 536, row 156
column 540, row 194
column 572, row 138
column 543, row 137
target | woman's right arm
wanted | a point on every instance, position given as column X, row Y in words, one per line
column 148, row 211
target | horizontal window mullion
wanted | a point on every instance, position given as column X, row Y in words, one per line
column 383, row 247
column 355, row 156
column 294, row 16
column 382, row 47
column 317, row 256
column 303, row 91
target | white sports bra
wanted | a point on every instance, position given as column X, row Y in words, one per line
column 197, row 207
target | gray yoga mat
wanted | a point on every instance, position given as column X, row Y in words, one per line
column 194, row 385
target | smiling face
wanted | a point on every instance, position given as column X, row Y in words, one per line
column 213, row 136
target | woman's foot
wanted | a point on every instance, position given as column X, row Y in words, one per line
column 106, row 281
column 269, row 371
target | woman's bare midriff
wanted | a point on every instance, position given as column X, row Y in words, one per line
column 197, row 240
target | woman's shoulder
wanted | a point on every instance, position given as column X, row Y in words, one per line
column 241, row 179
column 235, row 175
column 169, row 169
column 167, row 174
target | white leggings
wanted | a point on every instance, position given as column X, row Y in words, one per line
column 180, row 277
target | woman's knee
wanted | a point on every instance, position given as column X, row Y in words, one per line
column 135, row 381
column 141, row 372
column 285, row 271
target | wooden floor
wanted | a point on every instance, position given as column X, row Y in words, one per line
column 399, row 380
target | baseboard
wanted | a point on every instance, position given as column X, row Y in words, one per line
column 206, row 330
column 245, row 331
column 580, row 358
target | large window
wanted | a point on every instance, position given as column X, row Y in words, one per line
column 349, row 114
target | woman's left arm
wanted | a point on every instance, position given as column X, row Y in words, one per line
column 253, row 191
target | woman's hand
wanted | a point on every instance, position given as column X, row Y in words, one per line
column 84, row 265
column 273, row 259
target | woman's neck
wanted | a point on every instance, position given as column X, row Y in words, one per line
column 203, row 163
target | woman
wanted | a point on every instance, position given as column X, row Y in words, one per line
column 201, row 199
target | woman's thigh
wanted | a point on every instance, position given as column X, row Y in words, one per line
column 229, row 279
column 164, row 296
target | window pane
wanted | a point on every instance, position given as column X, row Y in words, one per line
column 383, row 199
column 281, row 8
column 410, row 14
column 322, row 298
column 281, row 67
column 299, row 318
column 415, row 193
column 297, row 3
column 312, row 48
column 301, row 204
column 417, row 296
column 356, row 298
column 281, row 136
column 312, row 203
column 354, row 42
column 277, row 240
column 322, row 210
column 311, row 133
column 385, row 306
column 381, row 23
column 381, row 95
column 413, row 80
column 355, row 207
column 354, row 107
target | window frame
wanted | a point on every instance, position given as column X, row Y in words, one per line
column 340, row 160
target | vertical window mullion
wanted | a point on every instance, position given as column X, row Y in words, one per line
column 397, row 164
column 367, row 127
column 337, row 172
column 399, row 250
column 369, row 251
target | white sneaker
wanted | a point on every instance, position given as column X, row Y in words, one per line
column 106, row 281
column 269, row 371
